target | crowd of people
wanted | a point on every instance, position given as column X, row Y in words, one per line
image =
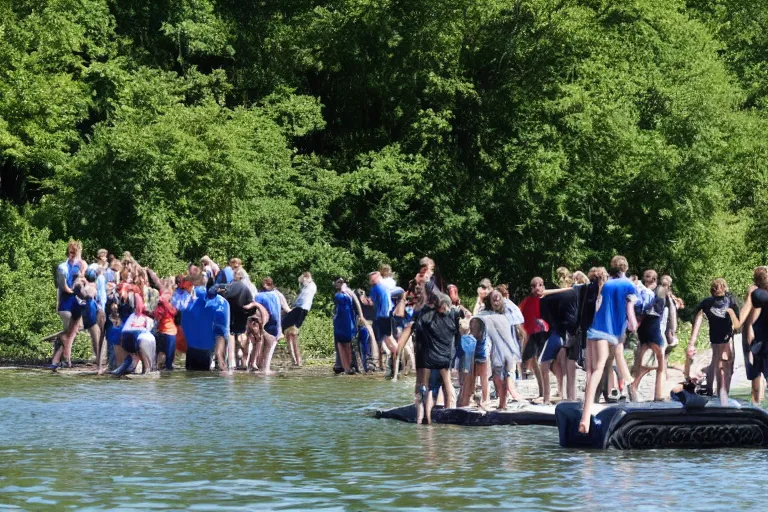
column 219, row 319
column 584, row 322
column 137, row 320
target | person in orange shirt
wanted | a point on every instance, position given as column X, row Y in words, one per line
column 167, row 330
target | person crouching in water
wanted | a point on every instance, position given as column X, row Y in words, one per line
column 292, row 321
column 137, row 342
column 263, row 343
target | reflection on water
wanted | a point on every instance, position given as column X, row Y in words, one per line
column 205, row 442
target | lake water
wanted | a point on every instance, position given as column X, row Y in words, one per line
column 208, row 442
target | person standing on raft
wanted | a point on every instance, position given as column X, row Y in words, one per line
column 755, row 331
column 505, row 352
column 615, row 315
column 722, row 313
column 535, row 330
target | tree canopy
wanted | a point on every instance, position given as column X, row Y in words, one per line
column 501, row 138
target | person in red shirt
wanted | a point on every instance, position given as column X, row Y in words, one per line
column 536, row 330
column 167, row 330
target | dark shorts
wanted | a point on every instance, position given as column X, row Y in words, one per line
column 552, row 347
column 271, row 327
column 238, row 323
column 341, row 339
column 382, row 327
column 574, row 351
column 650, row 336
column 759, row 364
column 198, row 360
column 435, row 383
column 535, row 345
column 294, row 318
column 418, row 349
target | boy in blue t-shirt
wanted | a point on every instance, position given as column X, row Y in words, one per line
column 615, row 313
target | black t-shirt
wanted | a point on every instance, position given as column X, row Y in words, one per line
column 588, row 293
column 650, row 324
column 716, row 311
column 561, row 311
column 760, row 300
column 238, row 296
column 438, row 331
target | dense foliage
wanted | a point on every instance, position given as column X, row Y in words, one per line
column 502, row 138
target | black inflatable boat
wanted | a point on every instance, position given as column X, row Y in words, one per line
column 696, row 424
column 525, row 415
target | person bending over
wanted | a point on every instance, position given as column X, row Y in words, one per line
column 275, row 303
column 263, row 343
column 505, row 352
column 241, row 304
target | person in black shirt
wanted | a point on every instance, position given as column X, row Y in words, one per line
column 650, row 335
column 722, row 312
column 756, row 333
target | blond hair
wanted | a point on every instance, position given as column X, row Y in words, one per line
column 620, row 263
column 580, row 277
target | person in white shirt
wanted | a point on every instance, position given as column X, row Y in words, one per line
column 293, row 320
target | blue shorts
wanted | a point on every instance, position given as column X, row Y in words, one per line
column 482, row 351
column 594, row 334
column 551, row 347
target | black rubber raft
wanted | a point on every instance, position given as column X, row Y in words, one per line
column 528, row 415
column 696, row 424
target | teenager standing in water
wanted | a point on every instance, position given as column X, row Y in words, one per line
column 294, row 319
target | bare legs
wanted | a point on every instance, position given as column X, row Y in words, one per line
column 661, row 369
column 67, row 339
column 598, row 351
column 501, row 390
column 292, row 339
column 545, row 367
column 481, row 370
column 219, row 350
column 448, row 392
column 345, row 354
column 420, row 392
column 570, row 371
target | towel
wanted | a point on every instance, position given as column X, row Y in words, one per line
column 499, row 331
